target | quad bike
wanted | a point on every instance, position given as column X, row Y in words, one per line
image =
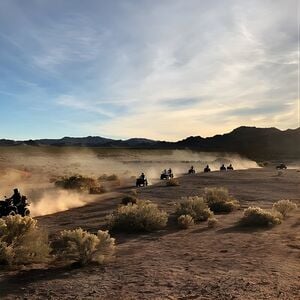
column 164, row 176
column 222, row 168
column 7, row 208
column 141, row 182
column 281, row 167
column 230, row 168
column 191, row 171
column 206, row 169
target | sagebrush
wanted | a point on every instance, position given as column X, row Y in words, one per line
column 142, row 216
column 284, row 207
column 77, row 182
column 194, row 206
column 22, row 241
column 185, row 221
column 83, row 247
column 212, row 222
column 219, row 200
column 256, row 216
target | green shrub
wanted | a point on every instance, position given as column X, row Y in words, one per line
column 196, row 207
column 83, row 247
column 22, row 242
column 256, row 216
column 284, row 207
column 76, row 182
column 143, row 216
column 185, row 221
column 172, row 182
column 212, row 222
column 218, row 200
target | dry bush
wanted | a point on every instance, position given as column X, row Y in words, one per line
column 97, row 190
column 76, row 182
column 212, row 222
column 256, row 216
column 22, row 242
column 83, row 247
column 218, row 200
column 172, row 182
column 284, row 207
column 196, row 207
column 128, row 199
column 185, row 221
column 105, row 177
column 143, row 216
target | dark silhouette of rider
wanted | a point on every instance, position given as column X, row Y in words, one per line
column 142, row 177
column 16, row 198
column 170, row 171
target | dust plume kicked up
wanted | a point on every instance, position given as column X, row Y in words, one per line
column 34, row 169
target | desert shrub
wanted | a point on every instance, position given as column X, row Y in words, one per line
column 284, row 207
column 83, row 247
column 185, row 221
column 105, row 177
column 212, row 222
column 76, row 182
column 256, row 216
column 196, row 207
column 218, row 200
column 112, row 177
column 142, row 216
column 97, row 190
column 172, row 182
column 22, row 242
column 129, row 199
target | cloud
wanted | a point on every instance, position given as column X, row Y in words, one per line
column 165, row 69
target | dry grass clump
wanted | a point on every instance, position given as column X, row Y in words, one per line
column 284, row 207
column 76, row 182
column 83, row 247
column 172, row 182
column 185, row 221
column 219, row 200
column 105, row 177
column 142, row 216
column 256, row 216
column 98, row 190
column 196, row 207
column 22, row 242
column 212, row 222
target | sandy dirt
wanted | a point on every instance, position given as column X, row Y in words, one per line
column 199, row 263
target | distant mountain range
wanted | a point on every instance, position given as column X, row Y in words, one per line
column 255, row 143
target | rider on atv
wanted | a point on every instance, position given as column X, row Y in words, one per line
column 207, row 169
column 16, row 198
column 192, row 170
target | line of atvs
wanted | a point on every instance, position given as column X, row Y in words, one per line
column 168, row 174
column 10, row 207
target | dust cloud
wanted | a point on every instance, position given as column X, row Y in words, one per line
column 34, row 169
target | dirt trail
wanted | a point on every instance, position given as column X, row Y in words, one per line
column 198, row 263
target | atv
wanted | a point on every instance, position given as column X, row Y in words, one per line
column 8, row 209
column 164, row 176
column 230, row 168
column 141, row 182
column 222, row 168
column 281, row 167
column 191, row 171
column 206, row 169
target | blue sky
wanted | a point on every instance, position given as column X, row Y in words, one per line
column 146, row 68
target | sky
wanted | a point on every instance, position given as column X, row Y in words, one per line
column 159, row 69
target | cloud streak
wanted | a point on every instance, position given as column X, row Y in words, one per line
column 162, row 70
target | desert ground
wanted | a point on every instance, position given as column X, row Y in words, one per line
column 226, row 262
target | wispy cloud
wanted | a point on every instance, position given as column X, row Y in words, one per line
column 158, row 69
